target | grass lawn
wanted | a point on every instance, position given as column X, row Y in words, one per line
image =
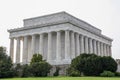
column 66, row 78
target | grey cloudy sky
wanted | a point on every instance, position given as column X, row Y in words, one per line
column 103, row 14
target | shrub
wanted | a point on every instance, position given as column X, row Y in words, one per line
column 57, row 71
column 117, row 74
column 93, row 65
column 72, row 72
column 36, row 58
column 22, row 70
column 26, row 71
column 88, row 64
column 18, row 70
column 109, row 64
column 38, row 66
column 6, row 69
column 40, row 69
column 107, row 74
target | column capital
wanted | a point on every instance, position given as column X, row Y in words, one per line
column 17, row 37
column 67, row 30
column 25, row 35
column 33, row 35
column 81, row 35
column 42, row 34
column 58, row 32
column 12, row 38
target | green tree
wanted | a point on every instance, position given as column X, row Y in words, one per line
column 88, row 64
column 107, row 74
column 22, row 70
column 38, row 66
column 93, row 65
column 26, row 71
column 18, row 70
column 109, row 64
column 73, row 72
column 36, row 58
column 6, row 69
column 40, row 69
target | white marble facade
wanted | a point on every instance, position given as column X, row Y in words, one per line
column 58, row 37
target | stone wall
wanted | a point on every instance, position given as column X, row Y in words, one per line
column 62, row 71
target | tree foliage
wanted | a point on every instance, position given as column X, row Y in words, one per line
column 22, row 70
column 73, row 72
column 6, row 69
column 93, row 65
column 38, row 66
column 109, row 64
column 36, row 58
column 107, row 74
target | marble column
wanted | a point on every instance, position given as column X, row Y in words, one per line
column 49, row 55
column 73, row 45
column 86, row 45
column 41, row 44
column 58, row 49
column 67, row 45
column 82, row 44
column 12, row 48
column 91, row 45
column 101, row 45
column 104, row 49
column 95, row 47
column 78, row 44
column 25, row 50
column 110, row 51
column 18, row 50
column 33, row 45
column 107, row 50
column 98, row 48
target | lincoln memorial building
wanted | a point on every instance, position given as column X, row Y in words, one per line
column 58, row 37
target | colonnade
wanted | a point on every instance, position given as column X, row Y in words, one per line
column 68, row 45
